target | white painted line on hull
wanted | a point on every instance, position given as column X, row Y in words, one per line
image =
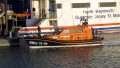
column 65, row 46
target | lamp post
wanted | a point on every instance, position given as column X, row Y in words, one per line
column 6, row 18
column 39, row 9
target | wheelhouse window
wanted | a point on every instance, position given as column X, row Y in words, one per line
column 72, row 31
column 66, row 31
column 79, row 31
column 59, row 6
column 80, row 5
column 107, row 4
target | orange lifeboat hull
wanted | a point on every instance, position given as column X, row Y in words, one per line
column 80, row 36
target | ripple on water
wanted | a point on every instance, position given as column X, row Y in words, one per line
column 82, row 57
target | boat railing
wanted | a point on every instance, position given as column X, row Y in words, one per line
column 14, row 30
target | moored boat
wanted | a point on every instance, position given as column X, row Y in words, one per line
column 66, row 37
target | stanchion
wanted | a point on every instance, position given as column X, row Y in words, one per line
column 10, row 34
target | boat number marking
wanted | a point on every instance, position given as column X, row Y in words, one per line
column 38, row 43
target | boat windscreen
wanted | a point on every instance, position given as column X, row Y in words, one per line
column 79, row 31
column 59, row 31
column 66, row 31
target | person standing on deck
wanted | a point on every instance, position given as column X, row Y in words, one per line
column 85, row 23
column 5, row 34
column 39, row 32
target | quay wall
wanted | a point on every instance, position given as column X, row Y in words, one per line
column 23, row 45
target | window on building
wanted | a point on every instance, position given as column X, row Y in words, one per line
column 107, row 4
column 66, row 31
column 59, row 6
column 76, row 5
column 80, row 5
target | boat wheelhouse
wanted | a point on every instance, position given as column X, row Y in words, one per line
column 68, row 37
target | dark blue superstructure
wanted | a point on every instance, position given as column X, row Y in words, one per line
column 18, row 6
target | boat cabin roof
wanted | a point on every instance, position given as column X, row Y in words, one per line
column 72, row 30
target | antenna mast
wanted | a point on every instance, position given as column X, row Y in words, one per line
column 87, row 12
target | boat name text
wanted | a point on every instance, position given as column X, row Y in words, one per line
column 38, row 43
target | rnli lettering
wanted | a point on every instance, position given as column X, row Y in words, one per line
column 38, row 43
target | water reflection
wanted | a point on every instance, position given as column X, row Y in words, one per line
column 62, row 58
column 83, row 57
column 13, row 57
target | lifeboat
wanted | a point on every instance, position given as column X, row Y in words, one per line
column 66, row 37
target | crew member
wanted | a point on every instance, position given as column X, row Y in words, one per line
column 5, row 34
column 85, row 23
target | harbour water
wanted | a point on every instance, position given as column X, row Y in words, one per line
column 107, row 56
